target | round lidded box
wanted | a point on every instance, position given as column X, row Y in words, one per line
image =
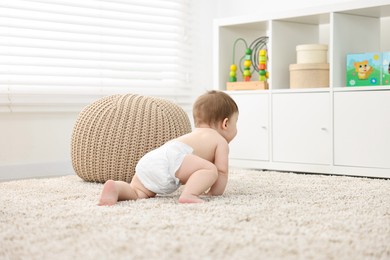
column 314, row 75
column 312, row 53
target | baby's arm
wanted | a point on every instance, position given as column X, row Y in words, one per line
column 222, row 164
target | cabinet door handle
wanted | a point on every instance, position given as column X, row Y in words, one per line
column 263, row 127
column 324, row 129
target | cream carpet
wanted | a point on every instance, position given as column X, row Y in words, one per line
column 262, row 215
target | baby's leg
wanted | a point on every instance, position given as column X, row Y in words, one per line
column 198, row 175
column 116, row 190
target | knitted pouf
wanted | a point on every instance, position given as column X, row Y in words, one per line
column 114, row 132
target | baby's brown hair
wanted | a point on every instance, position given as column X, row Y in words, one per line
column 213, row 107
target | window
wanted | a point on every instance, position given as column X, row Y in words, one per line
column 64, row 53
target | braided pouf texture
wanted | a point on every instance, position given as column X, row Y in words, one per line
column 114, row 132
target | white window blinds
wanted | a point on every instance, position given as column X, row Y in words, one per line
column 64, row 51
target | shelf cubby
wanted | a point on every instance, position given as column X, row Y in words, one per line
column 226, row 36
column 286, row 34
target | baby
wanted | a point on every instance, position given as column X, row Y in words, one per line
column 198, row 159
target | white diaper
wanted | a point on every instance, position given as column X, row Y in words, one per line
column 156, row 169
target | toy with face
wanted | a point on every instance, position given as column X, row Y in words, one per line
column 363, row 69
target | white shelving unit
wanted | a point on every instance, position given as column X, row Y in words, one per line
column 335, row 130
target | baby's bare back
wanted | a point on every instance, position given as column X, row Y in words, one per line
column 204, row 141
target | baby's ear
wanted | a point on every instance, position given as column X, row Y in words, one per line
column 225, row 122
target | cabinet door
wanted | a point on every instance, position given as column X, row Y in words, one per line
column 362, row 128
column 251, row 142
column 301, row 132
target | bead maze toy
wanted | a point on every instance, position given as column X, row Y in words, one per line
column 254, row 59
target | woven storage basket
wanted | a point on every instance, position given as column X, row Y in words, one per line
column 114, row 132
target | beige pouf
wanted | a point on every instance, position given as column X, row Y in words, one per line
column 113, row 133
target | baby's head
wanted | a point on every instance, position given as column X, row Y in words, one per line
column 213, row 107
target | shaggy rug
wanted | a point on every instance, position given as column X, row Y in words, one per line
column 262, row 215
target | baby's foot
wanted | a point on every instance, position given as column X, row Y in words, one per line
column 190, row 199
column 109, row 194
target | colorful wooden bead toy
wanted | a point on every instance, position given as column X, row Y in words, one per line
column 262, row 65
column 255, row 57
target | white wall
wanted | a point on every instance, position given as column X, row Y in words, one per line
column 38, row 144
column 35, row 144
column 229, row 8
column 25, row 134
column 204, row 12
